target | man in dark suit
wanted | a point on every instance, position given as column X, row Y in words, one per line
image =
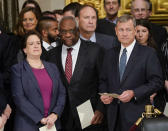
column 79, row 63
column 107, row 24
column 133, row 72
column 87, row 19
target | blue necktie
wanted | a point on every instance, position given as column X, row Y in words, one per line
column 123, row 60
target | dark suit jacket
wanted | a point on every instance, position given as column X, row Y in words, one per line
column 106, row 41
column 105, row 27
column 143, row 75
column 28, row 99
column 3, row 101
column 84, row 82
column 159, row 34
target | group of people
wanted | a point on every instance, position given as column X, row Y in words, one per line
column 52, row 64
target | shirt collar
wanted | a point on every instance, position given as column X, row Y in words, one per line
column 75, row 47
column 112, row 21
column 46, row 45
column 92, row 38
column 130, row 47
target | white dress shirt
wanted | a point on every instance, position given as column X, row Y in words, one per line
column 74, row 54
column 129, row 50
column 46, row 45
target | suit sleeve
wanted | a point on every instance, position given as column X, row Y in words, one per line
column 61, row 96
column 100, row 105
column 22, row 103
column 154, row 77
column 3, row 101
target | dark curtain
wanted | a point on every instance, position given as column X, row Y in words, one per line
column 9, row 10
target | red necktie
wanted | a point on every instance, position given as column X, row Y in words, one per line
column 68, row 65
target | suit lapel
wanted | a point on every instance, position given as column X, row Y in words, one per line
column 80, row 63
column 116, row 64
column 54, row 82
column 131, row 63
column 34, row 83
column 59, row 65
column 32, row 77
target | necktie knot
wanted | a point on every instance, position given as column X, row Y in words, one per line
column 69, row 50
column 124, row 51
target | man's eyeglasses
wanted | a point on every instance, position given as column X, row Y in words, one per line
column 140, row 10
column 72, row 31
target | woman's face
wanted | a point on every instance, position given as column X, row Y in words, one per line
column 33, row 47
column 142, row 34
column 29, row 21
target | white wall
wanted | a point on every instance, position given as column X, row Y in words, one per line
column 47, row 4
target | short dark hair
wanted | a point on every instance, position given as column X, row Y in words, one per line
column 43, row 23
column 74, row 7
column 27, row 36
column 59, row 11
column 119, row 2
column 87, row 5
column 47, row 13
column 37, row 7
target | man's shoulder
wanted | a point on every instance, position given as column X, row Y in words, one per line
column 106, row 37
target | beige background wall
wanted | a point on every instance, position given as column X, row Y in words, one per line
column 47, row 4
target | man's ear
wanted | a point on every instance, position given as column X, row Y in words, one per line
column 25, row 51
column 44, row 33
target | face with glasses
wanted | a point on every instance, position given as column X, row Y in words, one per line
column 29, row 21
column 33, row 47
column 125, row 32
column 140, row 9
column 69, row 32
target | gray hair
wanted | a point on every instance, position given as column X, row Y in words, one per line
column 125, row 18
column 149, row 4
column 68, row 18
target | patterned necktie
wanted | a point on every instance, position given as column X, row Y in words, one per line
column 68, row 65
column 123, row 60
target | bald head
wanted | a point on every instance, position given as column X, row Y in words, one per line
column 140, row 9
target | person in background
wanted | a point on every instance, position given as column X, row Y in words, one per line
column 33, row 4
column 142, row 9
column 87, row 19
column 144, row 37
column 133, row 72
column 37, row 90
column 72, row 9
column 107, row 24
column 48, row 28
column 58, row 14
column 164, row 50
column 48, row 14
column 28, row 20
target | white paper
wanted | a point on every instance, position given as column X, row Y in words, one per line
column 0, row 122
column 44, row 128
column 166, row 110
column 2, row 129
column 85, row 112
